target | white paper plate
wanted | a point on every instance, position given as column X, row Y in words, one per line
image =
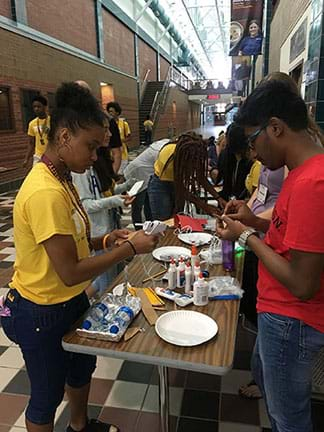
column 199, row 239
column 185, row 328
column 135, row 188
column 165, row 253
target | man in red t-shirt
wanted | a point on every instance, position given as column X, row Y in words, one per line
column 291, row 258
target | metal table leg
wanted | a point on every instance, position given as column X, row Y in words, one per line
column 164, row 398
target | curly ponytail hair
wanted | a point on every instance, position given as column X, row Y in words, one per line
column 75, row 108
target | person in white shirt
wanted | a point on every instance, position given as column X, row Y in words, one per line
column 142, row 168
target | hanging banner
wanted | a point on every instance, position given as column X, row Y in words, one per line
column 246, row 27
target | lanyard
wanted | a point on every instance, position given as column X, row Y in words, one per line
column 66, row 182
column 94, row 185
column 42, row 130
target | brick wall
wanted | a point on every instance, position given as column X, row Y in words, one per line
column 147, row 60
column 118, row 43
column 285, row 18
column 43, row 69
column 164, row 67
column 180, row 114
column 5, row 8
column 70, row 21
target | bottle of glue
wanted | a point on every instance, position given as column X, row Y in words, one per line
column 172, row 275
column 200, row 291
column 194, row 256
column 196, row 271
column 181, row 273
column 188, row 279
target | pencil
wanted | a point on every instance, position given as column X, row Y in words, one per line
column 154, row 276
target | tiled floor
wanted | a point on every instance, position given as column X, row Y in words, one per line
column 126, row 393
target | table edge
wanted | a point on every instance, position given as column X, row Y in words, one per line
column 143, row 358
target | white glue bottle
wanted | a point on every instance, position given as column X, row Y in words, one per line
column 188, row 279
column 194, row 256
column 181, row 273
column 200, row 292
column 172, row 275
column 196, row 271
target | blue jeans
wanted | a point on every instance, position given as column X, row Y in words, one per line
column 282, row 363
column 148, row 138
column 141, row 201
column 38, row 330
column 161, row 196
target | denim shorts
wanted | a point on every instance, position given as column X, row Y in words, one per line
column 161, row 198
column 38, row 330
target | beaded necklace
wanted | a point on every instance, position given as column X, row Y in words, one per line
column 66, row 182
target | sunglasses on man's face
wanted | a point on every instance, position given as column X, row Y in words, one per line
column 251, row 138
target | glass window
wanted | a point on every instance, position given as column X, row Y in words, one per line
column 6, row 120
column 26, row 106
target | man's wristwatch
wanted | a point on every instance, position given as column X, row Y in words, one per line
column 245, row 235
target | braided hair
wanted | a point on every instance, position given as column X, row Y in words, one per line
column 191, row 171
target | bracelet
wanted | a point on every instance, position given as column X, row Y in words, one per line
column 132, row 246
column 104, row 241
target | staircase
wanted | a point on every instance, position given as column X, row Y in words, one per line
column 152, row 91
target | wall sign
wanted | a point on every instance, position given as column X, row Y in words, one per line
column 298, row 41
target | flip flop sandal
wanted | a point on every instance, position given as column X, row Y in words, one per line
column 96, row 426
column 247, row 391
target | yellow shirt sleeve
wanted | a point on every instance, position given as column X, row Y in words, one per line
column 54, row 217
column 31, row 131
column 126, row 129
column 252, row 179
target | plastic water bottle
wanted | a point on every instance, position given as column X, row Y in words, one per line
column 122, row 318
column 96, row 318
column 228, row 255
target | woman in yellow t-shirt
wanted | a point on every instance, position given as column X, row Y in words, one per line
column 180, row 172
column 53, row 266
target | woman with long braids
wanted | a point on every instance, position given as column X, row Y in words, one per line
column 180, row 173
column 54, row 265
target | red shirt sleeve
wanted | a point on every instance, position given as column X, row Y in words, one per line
column 305, row 212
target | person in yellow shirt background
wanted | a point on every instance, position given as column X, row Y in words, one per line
column 252, row 179
column 148, row 128
column 115, row 110
column 54, row 265
column 38, row 130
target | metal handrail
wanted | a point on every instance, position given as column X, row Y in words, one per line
column 144, row 84
column 160, row 99
column 154, row 106
column 205, row 84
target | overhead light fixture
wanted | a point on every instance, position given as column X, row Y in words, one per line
column 103, row 84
